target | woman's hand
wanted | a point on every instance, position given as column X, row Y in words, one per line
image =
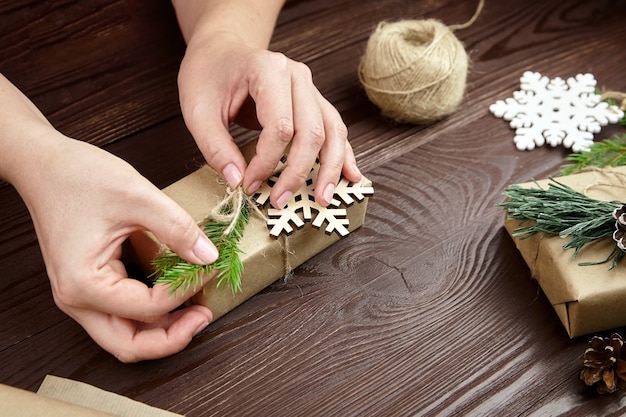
column 228, row 75
column 84, row 203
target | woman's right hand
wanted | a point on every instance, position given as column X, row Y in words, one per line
column 84, row 203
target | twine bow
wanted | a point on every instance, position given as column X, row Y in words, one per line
column 229, row 210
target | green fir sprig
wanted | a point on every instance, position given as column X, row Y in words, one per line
column 559, row 210
column 607, row 153
column 174, row 271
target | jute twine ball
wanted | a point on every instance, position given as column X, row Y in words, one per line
column 414, row 70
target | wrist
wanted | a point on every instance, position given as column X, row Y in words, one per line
column 24, row 133
column 29, row 157
column 252, row 22
column 215, row 39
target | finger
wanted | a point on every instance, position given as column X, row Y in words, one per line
column 350, row 168
column 118, row 266
column 309, row 137
column 174, row 227
column 271, row 90
column 114, row 294
column 210, row 129
column 332, row 155
column 131, row 341
column 222, row 153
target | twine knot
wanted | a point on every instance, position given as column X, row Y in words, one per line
column 230, row 210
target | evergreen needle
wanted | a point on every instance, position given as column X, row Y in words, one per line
column 607, row 153
column 174, row 271
column 561, row 211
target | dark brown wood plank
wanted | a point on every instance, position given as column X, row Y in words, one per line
column 428, row 309
column 99, row 70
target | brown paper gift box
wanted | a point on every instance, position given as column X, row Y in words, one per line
column 263, row 256
column 587, row 299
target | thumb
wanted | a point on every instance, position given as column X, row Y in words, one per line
column 222, row 154
column 218, row 147
column 174, row 227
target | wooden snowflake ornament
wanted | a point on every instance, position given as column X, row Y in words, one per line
column 302, row 206
column 556, row 111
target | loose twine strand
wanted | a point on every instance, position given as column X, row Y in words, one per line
column 473, row 19
column 229, row 211
column 606, row 173
column 615, row 95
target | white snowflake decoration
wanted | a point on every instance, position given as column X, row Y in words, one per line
column 556, row 111
column 302, row 206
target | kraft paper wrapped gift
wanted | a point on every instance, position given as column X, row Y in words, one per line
column 587, row 299
column 265, row 258
column 61, row 397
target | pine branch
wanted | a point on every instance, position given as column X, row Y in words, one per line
column 174, row 271
column 608, row 153
column 561, row 211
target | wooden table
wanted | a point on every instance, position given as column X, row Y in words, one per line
column 428, row 309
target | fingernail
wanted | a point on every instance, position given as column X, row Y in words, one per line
column 284, row 199
column 356, row 169
column 232, row 175
column 328, row 193
column 255, row 186
column 200, row 328
column 205, row 250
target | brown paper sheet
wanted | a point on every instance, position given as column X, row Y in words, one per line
column 60, row 397
column 590, row 298
column 92, row 398
column 265, row 259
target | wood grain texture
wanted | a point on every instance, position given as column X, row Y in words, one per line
column 99, row 70
column 426, row 310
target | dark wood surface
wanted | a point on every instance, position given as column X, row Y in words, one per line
column 428, row 309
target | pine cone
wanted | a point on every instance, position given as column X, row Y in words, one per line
column 619, row 214
column 604, row 364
